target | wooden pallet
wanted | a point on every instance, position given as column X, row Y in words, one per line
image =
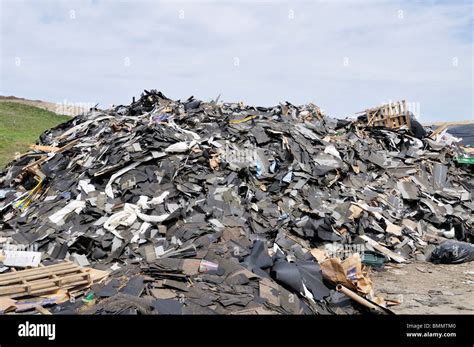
column 43, row 280
column 392, row 115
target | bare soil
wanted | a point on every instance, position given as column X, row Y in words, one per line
column 69, row 110
column 427, row 288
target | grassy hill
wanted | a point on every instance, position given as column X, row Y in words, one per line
column 21, row 125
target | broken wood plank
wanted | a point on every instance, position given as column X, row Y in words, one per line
column 49, row 149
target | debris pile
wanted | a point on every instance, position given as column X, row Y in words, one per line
column 208, row 207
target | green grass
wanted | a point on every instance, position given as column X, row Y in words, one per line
column 20, row 126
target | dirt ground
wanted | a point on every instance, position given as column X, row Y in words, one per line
column 70, row 110
column 426, row 288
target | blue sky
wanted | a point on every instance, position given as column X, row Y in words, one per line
column 344, row 56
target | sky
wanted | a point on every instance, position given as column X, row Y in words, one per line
column 344, row 56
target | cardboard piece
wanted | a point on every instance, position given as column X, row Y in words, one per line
column 348, row 273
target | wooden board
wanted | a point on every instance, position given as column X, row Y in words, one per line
column 392, row 115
